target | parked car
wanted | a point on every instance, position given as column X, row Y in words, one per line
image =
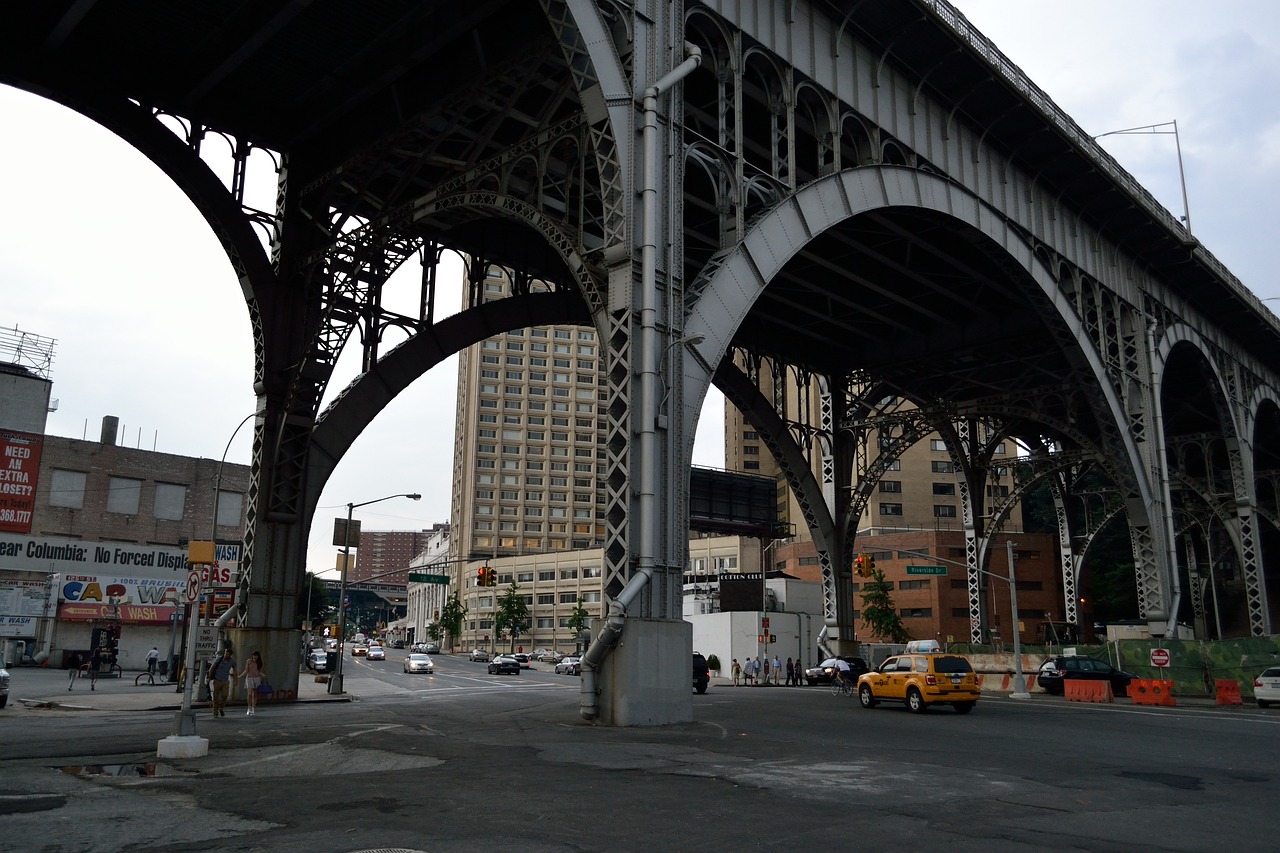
column 523, row 659
column 550, row 657
column 504, row 665
column 1055, row 670
column 480, row 655
column 825, row 672
column 1266, row 687
column 701, row 673
column 4, row 685
column 569, row 665
column 417, row 662
column 318, row 660
column 376, row 653
column 920, row 681
column 398, row 644
column 431, row 648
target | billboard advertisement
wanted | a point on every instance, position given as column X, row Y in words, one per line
column 19, row 473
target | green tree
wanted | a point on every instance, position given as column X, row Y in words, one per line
column 512, row 614
column 579, row 620
column 313, row 599
column 878, row 610
column 452, row 615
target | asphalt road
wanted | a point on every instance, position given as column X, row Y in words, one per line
column 462, row 760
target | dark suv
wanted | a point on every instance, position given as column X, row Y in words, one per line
column 1057, row 669
column 701, row 673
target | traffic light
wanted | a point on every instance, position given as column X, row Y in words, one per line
column 869, row 563
column 482, row 576
column 863, row 565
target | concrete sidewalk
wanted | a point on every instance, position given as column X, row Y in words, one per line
column 38, row 688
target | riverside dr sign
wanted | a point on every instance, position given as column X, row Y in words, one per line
column 926, row 570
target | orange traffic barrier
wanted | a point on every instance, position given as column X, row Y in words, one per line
column 1083, row 690
column 1228, row 690
column 1151, row 691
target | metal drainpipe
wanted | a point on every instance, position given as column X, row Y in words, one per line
column 589, row 705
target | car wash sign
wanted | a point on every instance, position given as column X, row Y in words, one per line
column 19, row 472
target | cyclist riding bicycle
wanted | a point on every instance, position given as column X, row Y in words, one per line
column 842, row 671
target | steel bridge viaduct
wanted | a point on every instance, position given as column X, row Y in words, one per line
column 864, row 198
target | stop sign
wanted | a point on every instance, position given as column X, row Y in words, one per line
column 1159, row 657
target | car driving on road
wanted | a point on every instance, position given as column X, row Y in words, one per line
column 417, row 662
column 920, row 681
column 376, row 653
column 479, row 655
column 504, row 665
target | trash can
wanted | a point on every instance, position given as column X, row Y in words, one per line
column 330, row 662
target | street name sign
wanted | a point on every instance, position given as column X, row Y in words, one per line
column 926, row 570
column 416, row 577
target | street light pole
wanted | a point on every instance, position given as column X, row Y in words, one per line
column 335, row 680
column 1019, row 678
column 1156, row 129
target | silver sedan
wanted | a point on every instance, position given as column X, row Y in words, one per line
column 419, row 663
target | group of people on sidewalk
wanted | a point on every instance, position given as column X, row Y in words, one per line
column 760, row 670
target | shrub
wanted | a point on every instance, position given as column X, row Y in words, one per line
column 713, row 663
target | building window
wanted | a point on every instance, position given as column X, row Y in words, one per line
column 67, row 489
column 751, row 450
column 170, row 501
column 913, row 584
column 895, row 465
column 123, row 494
column 549, row 575
column 549, row 598
column 937, row 445
column 944, row 488
column 750, row 466
column 890, row 509
column 944, row 511
column 891, row 486
column 568, row 574
column 916, row 612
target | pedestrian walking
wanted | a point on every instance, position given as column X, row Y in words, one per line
column 737, row 673
column 755, row 671
column 153, row 657
column 791, row 672
column 252, row 678
column 75, row 670
column 95, row 664
column 777, row 669
column 221, row 673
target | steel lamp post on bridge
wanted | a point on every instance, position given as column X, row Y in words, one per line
column 335, row 680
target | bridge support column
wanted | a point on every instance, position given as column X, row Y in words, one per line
column 279, row 648
column 637, row 683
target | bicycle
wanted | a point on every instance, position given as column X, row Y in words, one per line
column 841, row 686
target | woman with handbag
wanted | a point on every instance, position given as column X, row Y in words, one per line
column 253, row 678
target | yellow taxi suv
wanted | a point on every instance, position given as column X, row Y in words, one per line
column 920, row 681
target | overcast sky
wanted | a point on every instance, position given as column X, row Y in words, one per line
column 99, row 251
